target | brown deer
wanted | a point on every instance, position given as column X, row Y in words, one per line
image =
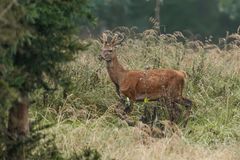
column 152, row 84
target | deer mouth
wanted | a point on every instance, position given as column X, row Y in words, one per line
column 107, row 59
column 103, row 57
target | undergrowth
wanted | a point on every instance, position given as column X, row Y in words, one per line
column 85, row 119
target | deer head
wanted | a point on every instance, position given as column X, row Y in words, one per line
column 107, row 51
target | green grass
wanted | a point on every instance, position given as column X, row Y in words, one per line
column 86, row 119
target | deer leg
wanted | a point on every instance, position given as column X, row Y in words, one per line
column 123, row 100
column 176, row 111
column 117, row 90
column 122, row 97
column 144, row 116
column 187, row 102
column 188, row 112
column 126, row 102
column 128, row 107
column 173, row 110
column 170, row 108
column 188, row 105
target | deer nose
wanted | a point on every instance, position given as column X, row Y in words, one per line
column 100, row 58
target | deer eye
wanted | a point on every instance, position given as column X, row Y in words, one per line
column 110, row 50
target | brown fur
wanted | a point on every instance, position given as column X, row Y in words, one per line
column 152, row 84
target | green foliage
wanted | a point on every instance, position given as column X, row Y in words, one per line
column 46, row 37
column 221, row 15
column 230, row 7
column 51, row 40
column 109, row 12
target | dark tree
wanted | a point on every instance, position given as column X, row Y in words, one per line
column 37, row 37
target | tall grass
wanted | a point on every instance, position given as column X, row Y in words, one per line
column 86, row 119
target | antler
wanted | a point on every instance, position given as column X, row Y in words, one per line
column 103, row 39
column 115, row 40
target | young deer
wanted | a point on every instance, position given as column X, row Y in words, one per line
column 153, row 84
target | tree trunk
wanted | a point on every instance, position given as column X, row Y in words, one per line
column 157, row 14
column 18, row 128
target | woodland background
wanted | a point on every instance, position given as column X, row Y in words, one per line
column 57, row 101
column 204, row 17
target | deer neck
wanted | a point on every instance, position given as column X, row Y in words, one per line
column 115, row 70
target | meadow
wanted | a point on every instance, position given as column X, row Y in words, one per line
column 86, row 116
